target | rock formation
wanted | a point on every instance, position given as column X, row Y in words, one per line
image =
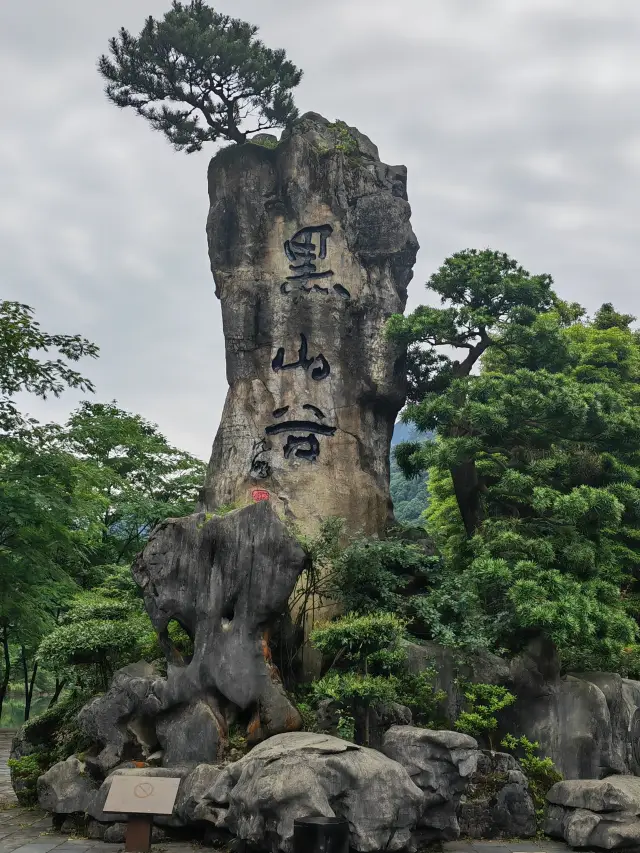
column 311, row 250
column 224, row 579
column 440, row 763
column 594, row 813
column 497, row 802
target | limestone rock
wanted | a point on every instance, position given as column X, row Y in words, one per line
column 295, row 775
column 594, row 813
column 66, row 789
column 116, row 720
column 225, row 579
column 440, row 763
column 497, row 802
column 191, row 791
column 615, row 794
column 189, row 735
column 311, row 250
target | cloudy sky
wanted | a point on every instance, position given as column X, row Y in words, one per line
column 518, row 120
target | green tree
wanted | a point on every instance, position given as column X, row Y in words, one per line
column 21, row 370
column 368, row 667
column 210, row 66
column 543, row 536
column 409, row 495
column 490, row 299
column 42, row 542
column 141, row 478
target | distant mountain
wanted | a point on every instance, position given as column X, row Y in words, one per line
column 408, row 432
column 410, row 497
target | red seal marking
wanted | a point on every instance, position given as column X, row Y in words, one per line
column 260, row 495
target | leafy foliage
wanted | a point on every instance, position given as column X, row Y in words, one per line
column 20, row 369
column 484, row 701
column 368, row 667
column 409, row 495
column 535, row 470
column 26, row 770
column 540, row 772
column 210, row 66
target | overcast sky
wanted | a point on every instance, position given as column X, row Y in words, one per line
column 518, row 121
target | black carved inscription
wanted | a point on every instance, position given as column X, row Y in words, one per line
column 342, row 291
column 321, row 429
column 301, row 251
column 304, row 447
column 321, row 371
column 316, row 411
column 260, row 467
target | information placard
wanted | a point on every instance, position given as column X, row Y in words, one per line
column 142, row 795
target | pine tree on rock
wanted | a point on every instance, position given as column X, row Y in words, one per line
column 199, row 76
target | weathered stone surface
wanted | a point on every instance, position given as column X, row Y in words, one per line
column 595, row 813
column 440, row 763
column 294, row 775
column 614, row 794
column 311, row 250
column 497, row 802
column 192, row 790
column 587, row 723
column 65, row 788
column 117, row 719
column 224, row 579
column 189, row 735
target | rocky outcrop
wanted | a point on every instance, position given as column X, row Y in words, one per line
column 497, row 802
column 296, row 775
column 66, row 788
column 311, row 250
column 595, row 813
column 440, row 763
column 587, row 723
column 224, row 579
column 258, row 797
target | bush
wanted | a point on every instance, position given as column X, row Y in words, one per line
column 368, row 668
column 24, row 776
column 483, row 703
column 541, row 772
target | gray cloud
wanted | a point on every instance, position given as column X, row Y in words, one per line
column 517, row 121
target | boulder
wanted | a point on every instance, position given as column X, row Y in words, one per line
column 588, row 724
column 299, row 774
column 66, row 788
column 595, row 813
column 188, row 735
column 440, row 763
column 497, row 802
column 225, row 579
column 117, row 721
column 192, row 790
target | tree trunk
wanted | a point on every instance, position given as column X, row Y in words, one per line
column 29, row 693
column 467, row 491
column 29, row 682
column 7, row 667
column 56, row 693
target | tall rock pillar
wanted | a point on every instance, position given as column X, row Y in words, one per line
column 311, row 250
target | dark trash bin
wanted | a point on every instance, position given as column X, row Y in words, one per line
column 320, row 835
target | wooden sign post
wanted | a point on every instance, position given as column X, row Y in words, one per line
column 141, row 797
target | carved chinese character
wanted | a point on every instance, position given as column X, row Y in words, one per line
column 318, row 373
column 304, row 446
column 301, row 251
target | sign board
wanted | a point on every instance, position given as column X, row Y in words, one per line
column 142, row 794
